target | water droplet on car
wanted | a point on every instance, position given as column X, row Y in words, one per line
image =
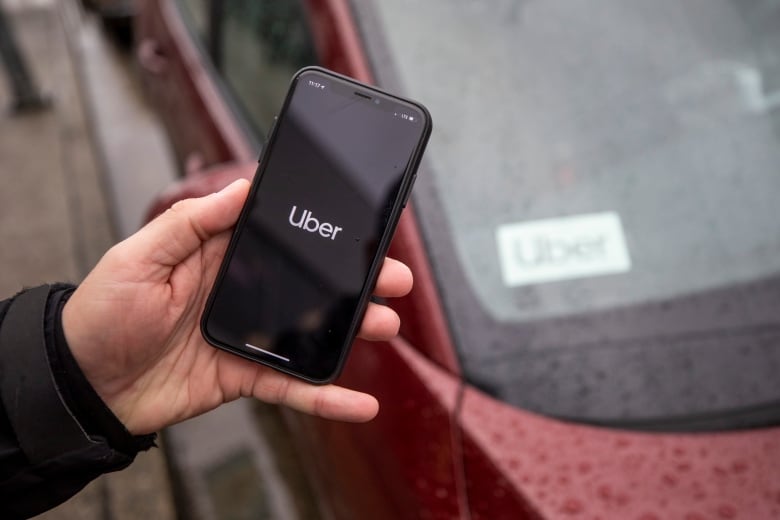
column 669, row 480
column 572, row 506
column 604, row 492
column 727, row 511
column 719, row 471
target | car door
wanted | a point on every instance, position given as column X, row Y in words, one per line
column 178, row 78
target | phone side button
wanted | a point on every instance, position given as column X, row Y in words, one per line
column 409, row 190
column 268, row 136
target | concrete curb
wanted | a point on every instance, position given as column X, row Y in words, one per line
column 129, row 139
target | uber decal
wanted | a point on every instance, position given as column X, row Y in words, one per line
column 562, row 248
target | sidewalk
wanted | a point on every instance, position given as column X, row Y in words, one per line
column 55, row 223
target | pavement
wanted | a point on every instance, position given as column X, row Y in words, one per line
column 56, row 220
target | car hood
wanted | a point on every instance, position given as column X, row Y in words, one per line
column 560, row 469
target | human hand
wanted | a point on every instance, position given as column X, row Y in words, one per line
column 133, row 325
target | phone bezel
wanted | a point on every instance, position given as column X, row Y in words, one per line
column 392, row 222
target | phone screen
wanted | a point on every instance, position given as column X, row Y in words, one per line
column 297, row 270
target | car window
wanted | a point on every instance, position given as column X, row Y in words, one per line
column 261, row 45
column 600, row 205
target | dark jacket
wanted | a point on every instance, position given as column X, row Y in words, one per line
column 56, row 434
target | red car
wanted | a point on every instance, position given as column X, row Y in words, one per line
column 595, row 326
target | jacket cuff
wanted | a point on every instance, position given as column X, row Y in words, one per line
column 79, row 395
column 48, row 401
column 43, row 424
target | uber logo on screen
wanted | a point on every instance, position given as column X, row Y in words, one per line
column 307, row 222
column 562, row 248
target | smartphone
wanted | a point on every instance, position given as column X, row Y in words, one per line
column 333, row 178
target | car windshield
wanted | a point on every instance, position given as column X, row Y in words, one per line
column 600, row 198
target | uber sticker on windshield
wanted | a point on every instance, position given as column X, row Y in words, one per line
column 562, row 248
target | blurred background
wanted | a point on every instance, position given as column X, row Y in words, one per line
column 595, row 326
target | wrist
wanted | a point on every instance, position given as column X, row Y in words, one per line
column 88, row 404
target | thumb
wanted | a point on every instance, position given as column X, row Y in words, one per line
column 181, row 230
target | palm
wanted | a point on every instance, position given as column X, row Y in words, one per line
column 133, row 326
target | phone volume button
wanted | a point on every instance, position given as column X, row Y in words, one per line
column 268, row 135
column 409, row 189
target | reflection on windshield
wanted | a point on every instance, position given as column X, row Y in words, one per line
column 664, row 113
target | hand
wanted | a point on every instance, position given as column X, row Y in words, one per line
column 133, row 325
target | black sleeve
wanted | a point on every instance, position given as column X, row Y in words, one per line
column 56, row 434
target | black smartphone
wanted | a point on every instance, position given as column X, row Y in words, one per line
column 336, row 172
